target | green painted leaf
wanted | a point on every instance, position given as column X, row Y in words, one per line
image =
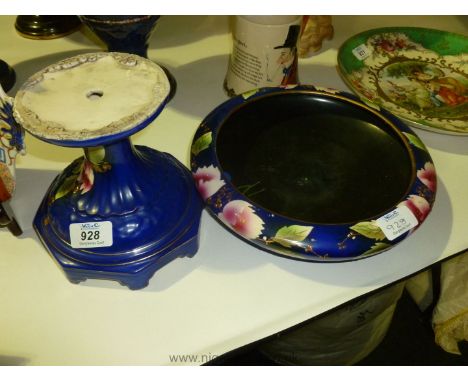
column 66, row 187
column 249, row 93
column 96, row 154
column 415, row 141
column 289, row 235
column 77, row 165
column 250, row 190
column 369, row 229
column 68, row 184
column 377, row 247
column 202, row 143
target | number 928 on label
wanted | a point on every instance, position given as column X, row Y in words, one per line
column 397, row 222
column 91, row 235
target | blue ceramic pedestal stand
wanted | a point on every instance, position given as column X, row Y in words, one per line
column 120, row 212
column 149, row 199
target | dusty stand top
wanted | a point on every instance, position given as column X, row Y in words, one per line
column 91, row 96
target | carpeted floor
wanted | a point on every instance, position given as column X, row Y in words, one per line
column 409, row 341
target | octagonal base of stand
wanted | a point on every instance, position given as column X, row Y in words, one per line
column 134, row 275
column 148, row 199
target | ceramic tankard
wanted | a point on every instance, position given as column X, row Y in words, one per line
column 264, row 53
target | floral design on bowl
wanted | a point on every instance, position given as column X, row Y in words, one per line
column 208, row 181
column 239, row 215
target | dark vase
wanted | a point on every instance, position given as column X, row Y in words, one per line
column 46, row 27
column 126, row 34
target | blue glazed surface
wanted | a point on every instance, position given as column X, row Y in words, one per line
column 149, row 198
column 127, row 34
column 295, row 238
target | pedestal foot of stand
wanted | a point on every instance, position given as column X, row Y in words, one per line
column 75, row 279
column 134, row 280
column 134, row 275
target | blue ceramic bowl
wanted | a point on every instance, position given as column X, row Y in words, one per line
column 312, row 173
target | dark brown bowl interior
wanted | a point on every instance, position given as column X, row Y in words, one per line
column 316, row 158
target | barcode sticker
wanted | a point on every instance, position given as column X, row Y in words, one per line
column 361, row 52
column 397, row 222
column 91, row 235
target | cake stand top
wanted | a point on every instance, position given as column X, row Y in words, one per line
column 91, row 99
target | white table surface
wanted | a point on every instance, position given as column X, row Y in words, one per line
column 230, row 294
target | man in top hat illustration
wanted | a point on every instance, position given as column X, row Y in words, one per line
column 287, row 60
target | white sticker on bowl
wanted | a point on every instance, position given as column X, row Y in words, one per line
column 361, row 52
column 397, row 222
column 91, row 235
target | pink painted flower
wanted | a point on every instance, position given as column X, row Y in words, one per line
column 86, row 177
column 208, row 181
column 239, row 215
column 419, row 206
column 427, row 175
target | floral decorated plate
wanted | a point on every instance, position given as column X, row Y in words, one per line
column 421, row 75
column 312, row 174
